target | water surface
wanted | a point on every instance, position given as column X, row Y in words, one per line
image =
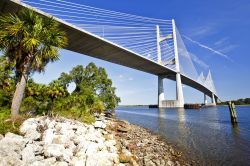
column 206, row 135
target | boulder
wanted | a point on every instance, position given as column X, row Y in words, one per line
column 61, row 163
column 100, row 124
column 123, row 126
column 54, row 150
column 60, row 139
column 28, row 155
column 10, row 160
column 102, row 158
column 92, row 149
column 28, row 125
column 12, row 143
column 78, row 161
column 48, row 136
column 46, row 162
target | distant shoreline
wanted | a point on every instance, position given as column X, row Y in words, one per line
column 152, row 104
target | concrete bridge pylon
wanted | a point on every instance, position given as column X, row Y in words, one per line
column 179, row 102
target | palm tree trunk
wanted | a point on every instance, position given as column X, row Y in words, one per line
column 18, row 97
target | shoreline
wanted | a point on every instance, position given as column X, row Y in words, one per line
column 150, row 149
column 59, row 141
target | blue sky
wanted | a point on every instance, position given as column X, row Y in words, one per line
column 216, row 33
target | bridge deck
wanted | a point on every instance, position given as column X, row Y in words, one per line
column 89, row 44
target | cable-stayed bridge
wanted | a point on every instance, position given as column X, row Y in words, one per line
column 151, row 45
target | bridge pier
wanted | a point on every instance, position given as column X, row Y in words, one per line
column 160, row 92
column 179, row 92
column 213, row 99
column 205, row 99
column 179, row 102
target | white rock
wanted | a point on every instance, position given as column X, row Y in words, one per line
column 28, row 155
column 102, row 159
column 61, row 163
column 92, row 149
column 80, row 130
column 78, row 161
column 46, row 162
column 9, row 161
column 1, row 136
column 110, row 144
column 37, row 147
column 60, row 139
column 54, row 150
column 94, row 137
column 101, row 146
column 51, row 124
column 48, row 136
column 99, row 124
column 70, row 145
column 12, row 143
column 78, row 139
column 28, row 125
column 32, row 135
column 67, row 155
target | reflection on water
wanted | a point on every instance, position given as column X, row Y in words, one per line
column 206, row 134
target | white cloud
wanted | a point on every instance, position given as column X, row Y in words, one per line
column 208, row 48
column 228, row 48
column 201, row 31
column 221, row 41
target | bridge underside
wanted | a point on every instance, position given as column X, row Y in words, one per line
column 83, row 42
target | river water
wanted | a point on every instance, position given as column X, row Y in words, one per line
column 206, row 134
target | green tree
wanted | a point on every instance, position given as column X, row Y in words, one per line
column 6, row 82
column 54, row 91
column 30, row 42
column 94, row 87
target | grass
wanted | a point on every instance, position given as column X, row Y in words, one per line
column 6, row 125
column 85, row 117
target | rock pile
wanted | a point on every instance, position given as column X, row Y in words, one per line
column 59, row 142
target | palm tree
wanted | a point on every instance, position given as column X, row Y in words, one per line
column 30, row 42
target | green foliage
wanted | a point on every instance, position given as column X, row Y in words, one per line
column 40, row 99
column 6, row 82
column 93, row 82
column 93, row 94
column 29, row 42
column 245, row 101
column 5, row 124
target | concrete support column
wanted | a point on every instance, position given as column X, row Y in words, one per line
column 205, row 99
column 213, row 99
column 160, row 91
column 179, row 92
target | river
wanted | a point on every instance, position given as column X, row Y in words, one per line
column 205, row 135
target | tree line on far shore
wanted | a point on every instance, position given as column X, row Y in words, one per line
column 245, row 101
column 28, row 43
